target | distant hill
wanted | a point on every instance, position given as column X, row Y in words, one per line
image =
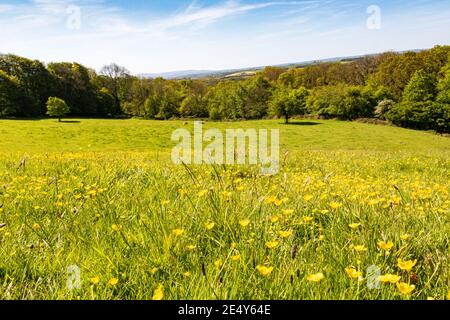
column 177, row 74
column 247, row 72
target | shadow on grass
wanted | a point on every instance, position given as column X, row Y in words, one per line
column 303, row 123
column 70, row 121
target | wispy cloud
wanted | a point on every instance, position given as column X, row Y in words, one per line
column 220, row 34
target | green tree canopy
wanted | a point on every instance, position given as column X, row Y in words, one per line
column 57, row 108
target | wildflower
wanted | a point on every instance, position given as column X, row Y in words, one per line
column 405, row 237
column 202, row 193
column 36, row 227
column 335, row 205
column 116, row 227
column 386, row 246
column 264, row 271
column 321, row 237
column 187, row 274
column 165, row 202
column 315, row 277
column 191, row 247
column 178, row 232
column 218, row 263
column 270, row 200
column 286, row 234
column 154, row 270
column 307, row 219
column 274, row 219
column 391, row 278
column 272, row 244
column 288, row 212
column 244, row 223
column 307, row 197
column 406, row 265
column 113, row 281
column 405, row 288
column 227, row 194
column 448, row 295
column 360, row 248
column 158, row 294
column 354, row 226
column 353, row 273
column 279, row 202
column 209, row 226
column 324, row 211
column 95, row 280
column 236, row 257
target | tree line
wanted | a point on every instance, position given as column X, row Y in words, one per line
column 408, row 89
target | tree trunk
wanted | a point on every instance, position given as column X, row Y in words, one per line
column 286, row 119
column 59, row 119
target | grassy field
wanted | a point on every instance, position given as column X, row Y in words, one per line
column 357, row 212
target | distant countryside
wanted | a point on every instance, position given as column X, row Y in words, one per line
column 410, row 90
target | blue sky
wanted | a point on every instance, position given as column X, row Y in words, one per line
column 167, row 35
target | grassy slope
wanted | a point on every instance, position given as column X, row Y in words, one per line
column 135, row 135
column 113, row 214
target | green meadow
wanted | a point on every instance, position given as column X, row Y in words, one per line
column 95, row 209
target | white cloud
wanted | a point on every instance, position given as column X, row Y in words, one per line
column 302, row 30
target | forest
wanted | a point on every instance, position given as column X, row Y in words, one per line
column 410, row 89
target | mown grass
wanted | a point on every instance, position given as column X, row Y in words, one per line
column 104, row 196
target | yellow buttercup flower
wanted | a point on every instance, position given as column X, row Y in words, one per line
column 218, row 263
column 272, row 244
column 116, row 227
column 274, row 219
column 360, row 248
column 288, row 212
column 406, row 265
column 165, row 202
column 113, row 281
column 315, row 277
column 448, row 295
column 191, row 247
column 227, row 194
column 95, row 280
column 335, row 205
column 264, row 271
column 386, row 246
column 405, row 288
column 178, row 232
column 286, row 234
column 202, row 193
column 244, row 223
column 405, row 237
column 389, row 278
column 307, row 197
column 307, row 219
column 158, row 294
column 154, row 270
column 353, row 273
column 209, row 226
column 187, row 274
column 36, row 227
column 236, row 257
column 354, row 226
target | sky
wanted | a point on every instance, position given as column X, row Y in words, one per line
column 152, row 36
